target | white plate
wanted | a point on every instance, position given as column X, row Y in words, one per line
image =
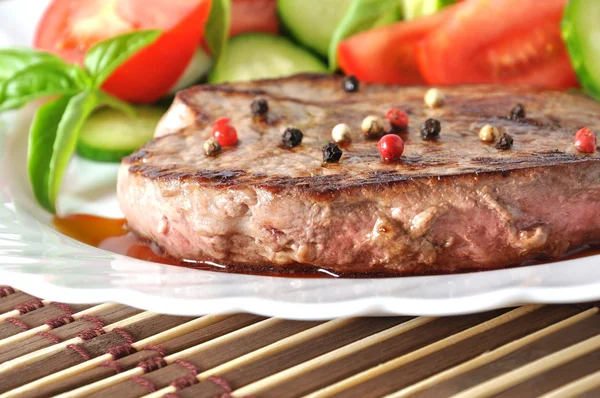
column 39, row 260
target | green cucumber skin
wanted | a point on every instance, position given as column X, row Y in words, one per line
column 303, row 31
column 253, row 56
column 574, row 45
column 109, row 135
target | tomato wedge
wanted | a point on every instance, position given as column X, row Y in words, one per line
column 253, row 16
column 388, row 54
column 70, row 27
column 500, row 41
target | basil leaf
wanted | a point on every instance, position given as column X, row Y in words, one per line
column 217, row 27
column 76, row 113
column 13, row 60
column 115, row 103
column 103, row 58
column 362, row 15
column 39, row 80
column 42, row 135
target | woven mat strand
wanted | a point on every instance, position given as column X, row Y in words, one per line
column 111, row 350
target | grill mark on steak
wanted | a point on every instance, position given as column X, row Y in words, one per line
column 448, row 205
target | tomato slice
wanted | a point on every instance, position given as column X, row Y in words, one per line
column 253, row 16
column 500, row 41
column 388, row 54
column 70, row 27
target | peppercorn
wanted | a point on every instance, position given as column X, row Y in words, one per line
column 291, row 137
column 488, row 133
column 430, row 130
column 331, row 153
column 390, row 147
column 518, row 112
column 397, row 118
column 259, row 107
column 434, row 98
column 211, row 147
column 350, row 84
column 341, row 133
column 585, row 141
column 505, row 141
column 372, row 126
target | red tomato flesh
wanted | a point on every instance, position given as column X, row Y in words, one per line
column 70, row 27
column 253, row 16
column 500, row 41
column 388, row 54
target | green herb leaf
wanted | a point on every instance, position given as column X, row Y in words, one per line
column 76, row 113
column 39, row 80
column 13, row 60
column 104, row 57
column 115, row 103
column 217, row 27
column 412, row 9
column 362, row 15
column 42, row 135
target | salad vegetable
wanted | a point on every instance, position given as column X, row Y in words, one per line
column 581, row 36
column 56, row 125
column 260, row 55
column 69, row 29
column 412, row 9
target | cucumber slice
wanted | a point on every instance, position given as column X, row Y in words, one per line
column 312, row 22
column 196, row 70
column 259, row 56
column 109, row 135
column 580, row 32
column 412, row 9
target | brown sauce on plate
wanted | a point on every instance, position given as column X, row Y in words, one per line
column 113, row 235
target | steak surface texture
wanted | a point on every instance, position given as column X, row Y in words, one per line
column 448, row 205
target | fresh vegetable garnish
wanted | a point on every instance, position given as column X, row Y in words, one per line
column 361, row 15
column 70, row 29
column 430, row 129
column 505, row 141
column 253, row 16
column 109, row 135
column 217, row 27
column 580, row 32
column 397, row 118
column 341, row 133
column 291, row 137
column 412, row 9
column 499, row 41
column 258, row 55
column 332, row 153
column 388, row 54
column 585, row 141
column 390, row 147
column 56, row 126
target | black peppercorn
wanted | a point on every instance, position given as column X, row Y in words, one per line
column 430, row 130
column 331, row 153
column 504, row 141
column 518, row 112
column 291, row 137
column 259, row 107
column 350, row 84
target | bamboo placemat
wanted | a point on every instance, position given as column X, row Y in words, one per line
column 111, row 350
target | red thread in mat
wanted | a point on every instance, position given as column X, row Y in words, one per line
column 188, row 365
column 152, row 364
column 49, row 336
column 6, row 290
column 121, row 351
column 184, row 381
column 95, row 320
column 221, row 383
column 63, row 307
column 80, row 350
column 161, row 351
column 59, row 321
column 113, row 365
column 148, row 385
column 17, row 322
column 124, row 334
column 29, row 306
column 90, row 333
column 170, row 395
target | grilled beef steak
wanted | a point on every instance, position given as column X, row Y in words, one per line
column 450, row 204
